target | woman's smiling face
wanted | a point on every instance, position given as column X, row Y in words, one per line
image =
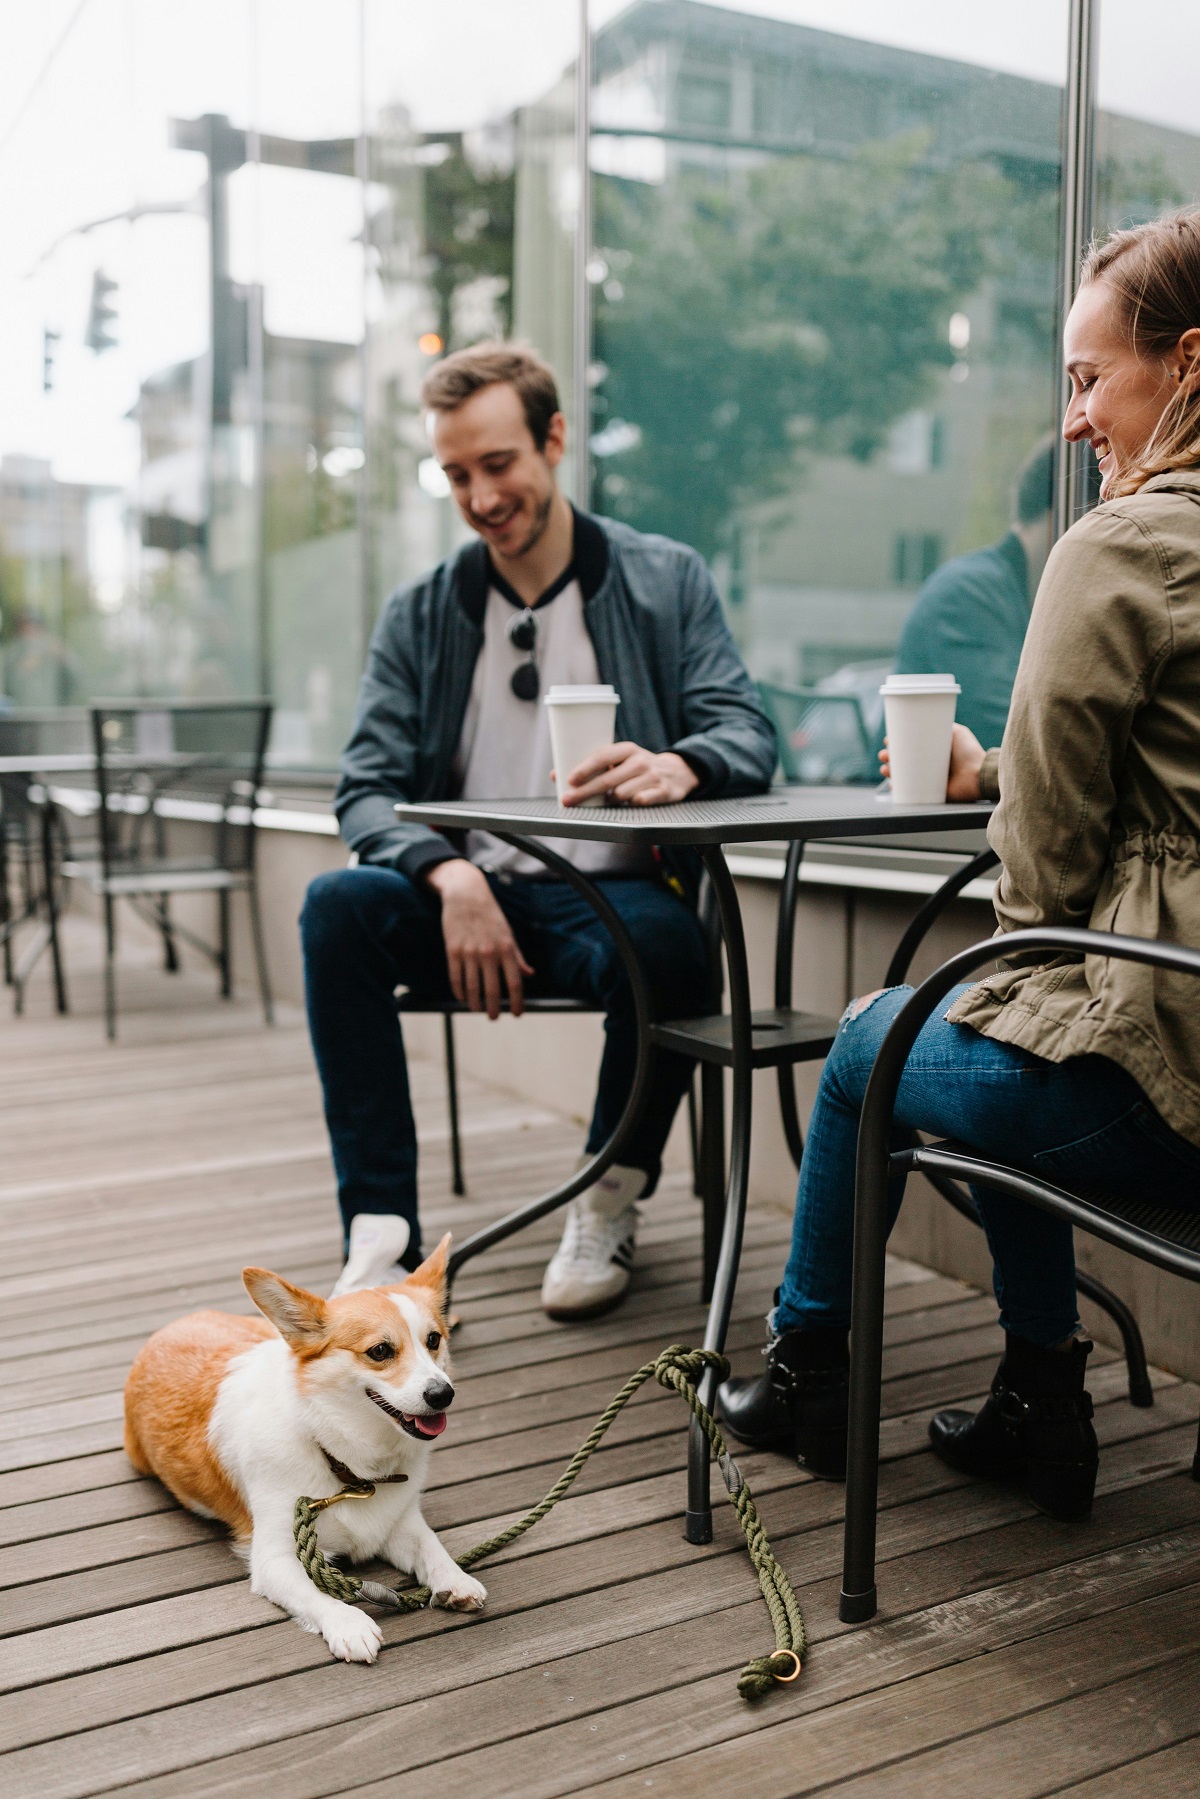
column 1117, row 396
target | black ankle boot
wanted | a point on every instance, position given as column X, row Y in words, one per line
column 799, row 1404
column 1035, row 1429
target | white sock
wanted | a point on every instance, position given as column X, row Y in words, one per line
column 377, row 1241
column 617, row 1189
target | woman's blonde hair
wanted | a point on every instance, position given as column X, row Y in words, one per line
column 1154, row 273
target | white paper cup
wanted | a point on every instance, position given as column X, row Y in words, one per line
column 919, row 720
column 582, row 720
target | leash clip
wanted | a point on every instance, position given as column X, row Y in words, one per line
column 364, row 1492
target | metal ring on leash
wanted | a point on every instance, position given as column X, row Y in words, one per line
column 785, row 1680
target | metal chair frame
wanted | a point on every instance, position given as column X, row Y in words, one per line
column 812, row 699
column 1141, row 1393
column 30, row 838
column 131, row 789
column 1166, row 1237
column 708, row 1158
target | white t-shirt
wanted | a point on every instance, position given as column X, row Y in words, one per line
column 504, row 750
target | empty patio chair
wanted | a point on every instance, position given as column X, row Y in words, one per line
column 160, row 763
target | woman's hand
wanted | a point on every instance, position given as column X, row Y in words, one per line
column 966, row 760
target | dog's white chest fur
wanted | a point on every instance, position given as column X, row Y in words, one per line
column 361, row 1380
column 272, row 1440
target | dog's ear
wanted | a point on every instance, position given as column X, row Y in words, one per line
column 297, row 1315
column 432, row 1273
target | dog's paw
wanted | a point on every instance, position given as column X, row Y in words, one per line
column 461, row 1593
column 352, row 1636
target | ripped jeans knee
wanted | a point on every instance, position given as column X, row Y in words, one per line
column 865, row 1001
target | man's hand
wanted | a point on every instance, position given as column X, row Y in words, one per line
column 479, row 942
column 631, row 776
column 966, row 760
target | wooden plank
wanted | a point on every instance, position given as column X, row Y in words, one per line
column 44, row 1518
column 1033, row 1755
column 102, row 1546
column 807, row 1752
column 83, row 1701
column 521, row 1712
column 137, row 1653
column 113, row 1585
column 573, row 1409
column 1165, row 1775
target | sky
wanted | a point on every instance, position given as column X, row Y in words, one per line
column 86, row 137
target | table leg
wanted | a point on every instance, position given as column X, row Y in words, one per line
column 698, row 1523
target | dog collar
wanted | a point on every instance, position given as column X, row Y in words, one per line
column 348, row 1478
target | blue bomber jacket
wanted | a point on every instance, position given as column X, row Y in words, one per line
column 660, row 638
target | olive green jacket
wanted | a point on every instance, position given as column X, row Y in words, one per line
column 1099, row 784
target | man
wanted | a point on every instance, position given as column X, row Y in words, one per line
column 450, row 706
column 970, row 617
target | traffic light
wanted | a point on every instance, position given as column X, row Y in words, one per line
column 100, row 314
column 49, row 346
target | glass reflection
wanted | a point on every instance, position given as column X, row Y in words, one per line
column 824, row 296
column 1148, row 128
column 232, row 238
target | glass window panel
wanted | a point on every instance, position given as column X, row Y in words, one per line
column 472, row 207
column 824, row 299
column 232, row 240
column 1148, row 128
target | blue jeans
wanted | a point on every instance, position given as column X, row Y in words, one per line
column 1084, row 1121
column 366, row 931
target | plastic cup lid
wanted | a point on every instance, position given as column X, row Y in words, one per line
column 897, row 684
column 582, row 696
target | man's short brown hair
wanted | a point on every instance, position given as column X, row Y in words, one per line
column 457, row 377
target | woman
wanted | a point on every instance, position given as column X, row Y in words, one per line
column 1086, row 1071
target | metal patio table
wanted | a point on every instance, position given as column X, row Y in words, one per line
column 790, row 814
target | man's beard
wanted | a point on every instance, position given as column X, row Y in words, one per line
column 537, row 529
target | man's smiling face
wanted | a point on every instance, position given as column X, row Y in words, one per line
column 502, row 483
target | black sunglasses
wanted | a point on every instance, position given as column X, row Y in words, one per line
column 522, row 633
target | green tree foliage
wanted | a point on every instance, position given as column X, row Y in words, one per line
column 468, row 228
column 794, row 310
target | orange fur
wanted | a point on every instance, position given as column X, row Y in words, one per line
column 169, row 1399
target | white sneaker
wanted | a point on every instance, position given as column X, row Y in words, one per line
column 377, row 1241
column 589, row 1271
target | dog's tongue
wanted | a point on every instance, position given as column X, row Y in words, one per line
column 430, row 1424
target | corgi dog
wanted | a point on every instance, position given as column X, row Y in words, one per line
column 239, row 1416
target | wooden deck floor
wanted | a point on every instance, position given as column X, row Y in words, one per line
column 1014, row 1657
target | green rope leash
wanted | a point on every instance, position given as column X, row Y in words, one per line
column 677, row 1367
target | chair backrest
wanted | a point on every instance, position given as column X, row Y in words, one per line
column 822, row 737
column 202, row 754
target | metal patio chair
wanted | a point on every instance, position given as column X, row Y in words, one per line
column 28, row 841
column 821, row 737
column 157, row 762
column 1166, row 1236
column 782, row 1036
column 1141, row 1393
